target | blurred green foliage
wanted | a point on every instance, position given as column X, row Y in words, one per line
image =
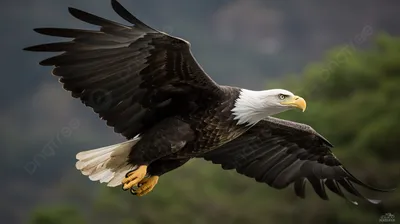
column 57, row 215
column 353, row 100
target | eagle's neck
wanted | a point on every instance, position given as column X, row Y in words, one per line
column 252, row 106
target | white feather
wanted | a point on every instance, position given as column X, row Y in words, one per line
column 119, row 175
column 107, row 164
column 254, row 106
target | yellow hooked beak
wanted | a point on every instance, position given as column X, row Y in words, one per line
column 295, row 101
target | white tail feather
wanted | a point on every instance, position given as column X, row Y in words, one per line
column 107, row 164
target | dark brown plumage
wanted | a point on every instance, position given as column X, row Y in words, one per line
column 147, row 84
column 279, row 152
column 133, row 77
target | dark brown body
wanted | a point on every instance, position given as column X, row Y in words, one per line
column 176, row 139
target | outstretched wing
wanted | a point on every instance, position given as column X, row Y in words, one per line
column 280, row 152
column 132, row 76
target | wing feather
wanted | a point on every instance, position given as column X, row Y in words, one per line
column 132, row 76
column 279, row 153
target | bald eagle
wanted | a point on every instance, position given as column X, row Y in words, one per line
column 148, row 86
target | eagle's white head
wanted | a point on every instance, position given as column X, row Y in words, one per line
column 253, row 106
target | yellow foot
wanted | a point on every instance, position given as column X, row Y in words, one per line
column 134, row 177
column 146, row 185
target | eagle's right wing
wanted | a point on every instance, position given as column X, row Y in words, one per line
column 132, row 76
column 280, row 152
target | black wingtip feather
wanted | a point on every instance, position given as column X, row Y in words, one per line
column 350, row 188
column 359, row 182
column 27, row 48
column 51, row 47
column 90, row 18
column 79, row 14
column 63, row 32
column 125, row 14
column 51, row 31
column 334, row 187
column 73, row 11
column 300, row 188
column 46, row 62
column 319, row 187
column 38, row 30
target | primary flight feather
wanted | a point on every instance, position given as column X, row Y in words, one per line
column 149, row 87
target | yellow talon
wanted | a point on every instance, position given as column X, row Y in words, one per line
column 134, row 177
column 147, row 185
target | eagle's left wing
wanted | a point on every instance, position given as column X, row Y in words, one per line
column 280, row 152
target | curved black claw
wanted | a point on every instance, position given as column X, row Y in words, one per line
column 133, row 191
column 126, row 176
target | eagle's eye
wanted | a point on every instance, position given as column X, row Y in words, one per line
column 281, row 96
